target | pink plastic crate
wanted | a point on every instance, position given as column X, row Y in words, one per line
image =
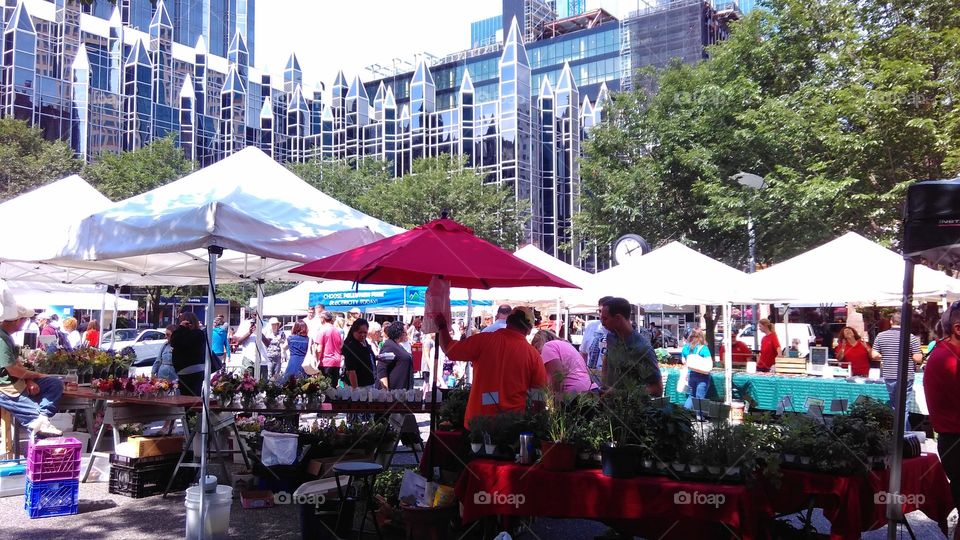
column 54, row 459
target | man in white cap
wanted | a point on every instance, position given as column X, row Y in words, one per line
column 31, row 397
column 276, row 342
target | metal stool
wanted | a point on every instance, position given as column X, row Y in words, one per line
column 368, row 473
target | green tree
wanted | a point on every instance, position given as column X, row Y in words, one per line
column 124, row 175
column 442, row 184
column 838, row 105
column 28, row 161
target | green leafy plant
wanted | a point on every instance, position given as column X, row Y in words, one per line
column 454, row 407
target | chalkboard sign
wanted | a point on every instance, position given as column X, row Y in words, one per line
column 818, row 356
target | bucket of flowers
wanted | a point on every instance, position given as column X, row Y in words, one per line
column 248, row 390
column 144, row 387
column 313, row 389
column 103, row 386
column 292, row 390
column 165, row 387
column 271, row 392
column 224, row 387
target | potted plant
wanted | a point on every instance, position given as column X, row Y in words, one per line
column 695, row 458
column 478, row 434
column 271, row 392
column 386, row 491
column 558, row 451
column 224, row 387
column 291, row 391
column 453, row 408
column 248, row 388
column 620, row 454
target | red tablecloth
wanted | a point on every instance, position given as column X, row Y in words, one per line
column 652, row 506
column 851, row 503
column 445, row 449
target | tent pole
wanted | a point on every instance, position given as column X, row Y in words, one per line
column 894, row 508
column 113, row 323
column 259, row 339
column 102, row 318
column 727, row 355
column 212, row 253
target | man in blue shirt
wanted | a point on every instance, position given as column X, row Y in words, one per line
column 630, row 360
column 502, row 313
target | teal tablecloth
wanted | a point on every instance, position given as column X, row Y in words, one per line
column 766, row 390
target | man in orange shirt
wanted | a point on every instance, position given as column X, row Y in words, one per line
column 505, row 366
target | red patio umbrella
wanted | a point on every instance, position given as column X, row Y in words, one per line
column 441, row 247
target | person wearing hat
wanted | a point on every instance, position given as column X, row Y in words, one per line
column 30, row 397
column 505, row 365
column 276, row 343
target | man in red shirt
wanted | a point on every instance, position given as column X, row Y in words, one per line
column 505, row 366
column 941, row 382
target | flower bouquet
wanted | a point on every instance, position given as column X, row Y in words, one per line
column 313, row 388
column 292, row 389
column 249, row 389
column 144, row 387
column 271, row 391
column 224, row 386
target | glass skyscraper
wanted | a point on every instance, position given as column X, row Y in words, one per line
column 110, row 78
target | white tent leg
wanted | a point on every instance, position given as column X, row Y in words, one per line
column 103, row 314
column 259, row 341
column 113, row 324
column 727, row 355
column 213, row 253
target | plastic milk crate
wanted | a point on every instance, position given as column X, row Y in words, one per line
column 56, row 498
column 142, row 477
column 54, row 459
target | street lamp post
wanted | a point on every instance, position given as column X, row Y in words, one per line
column 757, row 183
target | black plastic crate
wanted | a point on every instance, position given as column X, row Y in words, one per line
column 152, row 461
column 141, row 482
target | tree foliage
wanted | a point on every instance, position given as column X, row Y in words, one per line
column 347, row 182
column 28, row 161
column 838, row 105
column 124, row 175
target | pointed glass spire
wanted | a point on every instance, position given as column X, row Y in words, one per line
column 297, row 103
column 586, row 109
column 603, row 95
column 381, row 92
column 81, row 62
column 466, row 85
column 340, row 80
column 405, row 113
column 160, row 16
column 234, row 82
column 238, row 44
column 513, row 49
column 138, row 54
column 201, row 46
column 293, row 63
column 115, row 20
column 267, row 110
column 20, row 20
column 422, row 74
column 327, row 114
column 389, row 102
column 546, row 91
column 187, row 90
column 566, row 82
column 357, row 90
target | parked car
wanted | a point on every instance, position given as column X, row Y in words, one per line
column 144, row 344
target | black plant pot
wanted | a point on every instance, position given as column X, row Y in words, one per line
column 619, row 461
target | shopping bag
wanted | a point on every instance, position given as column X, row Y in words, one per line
column 279, row 448
column 682, row 381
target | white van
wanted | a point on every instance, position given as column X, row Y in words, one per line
column 801, row 331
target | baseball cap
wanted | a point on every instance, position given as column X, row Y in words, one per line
column 274, row 320
column 355, row 310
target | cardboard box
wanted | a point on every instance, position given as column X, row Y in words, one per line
column 139, row 446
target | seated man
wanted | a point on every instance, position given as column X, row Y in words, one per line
column 31, row 397
column 505, row 366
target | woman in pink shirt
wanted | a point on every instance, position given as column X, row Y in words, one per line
column 566, row 369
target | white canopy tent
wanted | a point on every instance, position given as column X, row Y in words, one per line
column 39, row 295
column 847, row 269
column 546, row 296
column 265, row 217
column 677, row 275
